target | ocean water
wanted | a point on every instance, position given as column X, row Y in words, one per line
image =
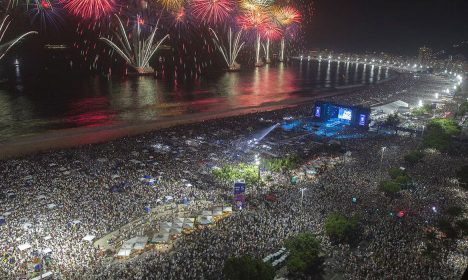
column 34, row 107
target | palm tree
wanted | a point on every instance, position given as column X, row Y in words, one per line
column 5, row 47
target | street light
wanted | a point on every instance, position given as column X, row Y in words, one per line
column 257, row 163
column 381, row 160
column 302, row 194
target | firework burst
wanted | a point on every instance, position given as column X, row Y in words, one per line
column 47, row 13
column 5, row 47
column 89, row 9
column 270, row 31
column 138, row 53
column 212, row 11
column 172, row 4
column 254, row 20
column 254, row 5
column 179, row 16
column 287, row 15
column 229, row 53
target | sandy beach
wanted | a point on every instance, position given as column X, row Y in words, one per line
column 73, row 137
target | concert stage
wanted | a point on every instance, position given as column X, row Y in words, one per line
column 331, row 120
column 337, row 114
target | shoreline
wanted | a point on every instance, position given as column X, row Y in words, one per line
column 75, row 137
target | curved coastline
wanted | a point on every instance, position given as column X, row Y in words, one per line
column 74, row 137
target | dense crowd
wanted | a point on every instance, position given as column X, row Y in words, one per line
column 52, row 200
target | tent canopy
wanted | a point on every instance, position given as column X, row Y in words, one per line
column 124, row 252
column 392, row 107
column 24, row 246
column 89, row 237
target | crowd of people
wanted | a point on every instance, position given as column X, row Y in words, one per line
column 53, row 200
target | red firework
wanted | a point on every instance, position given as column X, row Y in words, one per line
column 253, row 20
column 271, row 31
column 179, row 15
column 45, row 4
column 89, row 9
column 287, row 15
column 212, row 11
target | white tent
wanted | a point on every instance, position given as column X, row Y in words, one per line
column 218, row 208
column 124, row 252
column 392, row 107
column 188, row 225
column 179, row 220
column 205, row 220
column 127, row 246
column 176, row 230
column 165, row 225
column 217, row 212
column 24, row 246
column 164, row 230
column 46, row 275
column 207, row 212
column 140, row 242
column 51, row 205
column 160, row 238
column 189, row 220
column 227, row 209
column 139, row 246
column 26, row 226
column 177, row 225
column 47, row 251
column 89, row 237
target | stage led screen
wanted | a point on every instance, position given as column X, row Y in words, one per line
column 362, row 119
column 344, row 114
column 317, row 111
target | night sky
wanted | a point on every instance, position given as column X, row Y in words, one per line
column 397, row 26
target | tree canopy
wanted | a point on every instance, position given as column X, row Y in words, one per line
column 463, row 109
column 439, row 132
column 242, row 171
column 247, row 268
column 396, row 172
column 462, row 176
column 393, row 120
column 340, row 228
column 283, row 164
column 390, row 187
column 423, row 110
column 304, row 260
column 414, row 157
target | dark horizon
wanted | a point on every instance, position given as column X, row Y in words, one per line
column 397, row 26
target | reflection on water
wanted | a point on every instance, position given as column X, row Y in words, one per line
column 29, row 108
